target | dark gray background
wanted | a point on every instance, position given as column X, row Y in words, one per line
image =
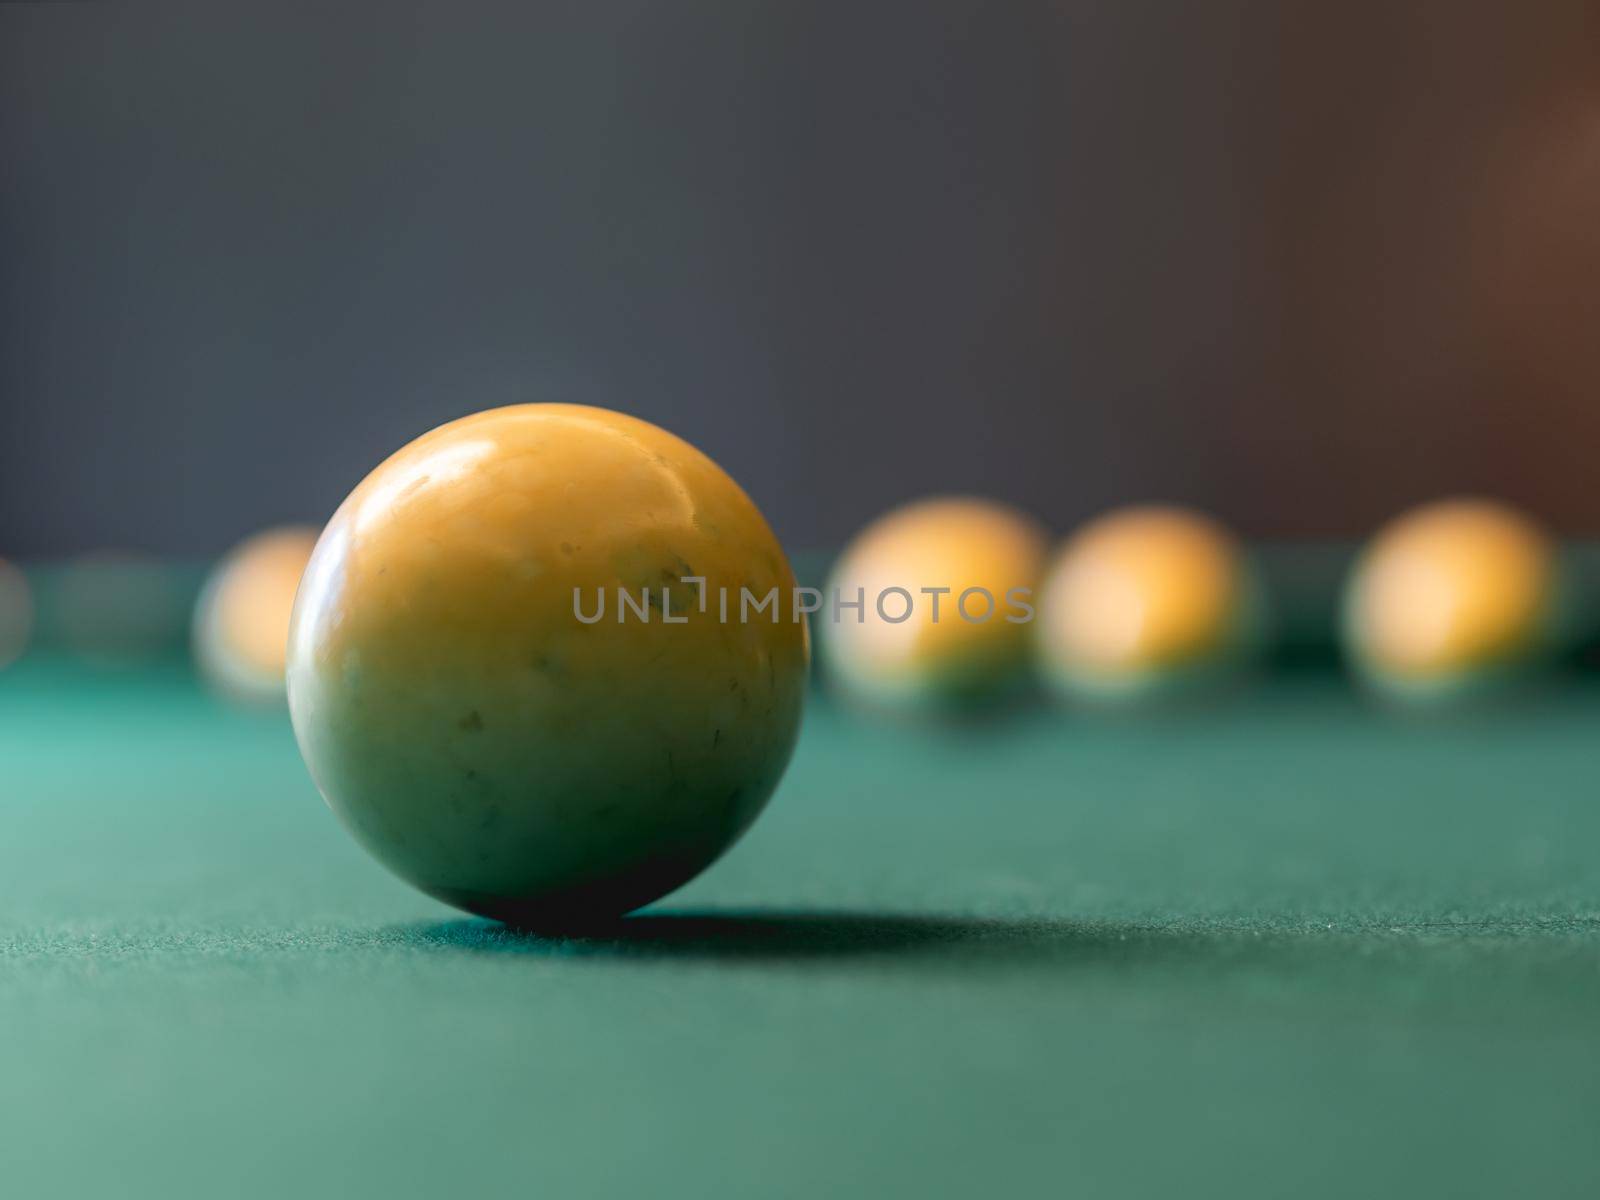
column 1301, row 263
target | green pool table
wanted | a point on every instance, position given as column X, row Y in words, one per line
column 1282, row 944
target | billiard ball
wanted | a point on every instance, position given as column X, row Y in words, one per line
column 1146, row 601
column 241, row 623
column 928, row 606
column 515, row 674
column 1454, row 595
column 16, row 612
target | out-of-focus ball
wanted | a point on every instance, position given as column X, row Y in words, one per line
column 946, row 595
column 1147, row 600
column 1454, row 593
column 16, row 612
column 241, row 623
column 485, row 712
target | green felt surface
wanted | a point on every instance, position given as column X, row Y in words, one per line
column 1286, row 946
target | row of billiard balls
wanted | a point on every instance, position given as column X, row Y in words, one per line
column 1140, row 602
column 1148, row 601
column 504, row 754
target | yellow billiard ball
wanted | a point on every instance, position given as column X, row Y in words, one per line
column 1147, row 599
column 241, row 623
column 929, row 605
column 1453, row 593
column 511, row 676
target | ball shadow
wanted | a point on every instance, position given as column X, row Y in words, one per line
column 1243, row 961
column 779, row 935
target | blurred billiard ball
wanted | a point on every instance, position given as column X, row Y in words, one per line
column 241, row 623
column 1147, row 601
column 928, row 607
column 484, row 726
column 1451, row 596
